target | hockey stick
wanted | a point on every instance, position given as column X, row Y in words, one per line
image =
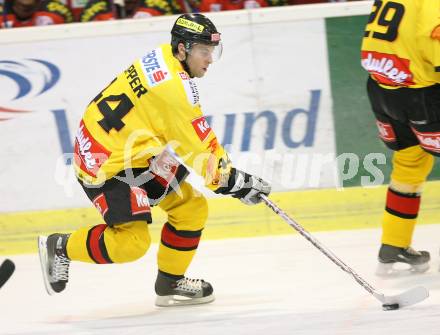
column 6, row 270
column 407, row 298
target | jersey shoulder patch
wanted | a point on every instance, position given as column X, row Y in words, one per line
column 155, row 68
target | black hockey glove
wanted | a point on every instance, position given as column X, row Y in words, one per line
column 245, row 187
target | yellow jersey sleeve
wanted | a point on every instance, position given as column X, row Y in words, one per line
column 189, row 134
column 430, row 32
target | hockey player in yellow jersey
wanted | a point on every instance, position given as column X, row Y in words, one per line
column 125, row 163
column 401, row 52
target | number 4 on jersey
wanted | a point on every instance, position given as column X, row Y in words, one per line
column 114, row 108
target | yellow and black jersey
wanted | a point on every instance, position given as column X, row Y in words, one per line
column 56, row 10
column 158, row 7
column 101, row 10
column 97, row 10
column 48, row 12
column 153, row 103
column 401, row 44
column 273, row 3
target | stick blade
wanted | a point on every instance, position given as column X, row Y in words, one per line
column 6, row 270
column 407, row 298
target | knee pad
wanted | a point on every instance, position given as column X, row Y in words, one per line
column 127, row 242
column 186, row 209
column 201, row 204
column 102, row 244
column 411, row 167
column 191, row 214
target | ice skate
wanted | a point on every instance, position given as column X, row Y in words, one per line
column 389, row 257
column 54, row 262
column 184, row 291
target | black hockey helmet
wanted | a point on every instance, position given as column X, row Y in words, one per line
column 193, row 28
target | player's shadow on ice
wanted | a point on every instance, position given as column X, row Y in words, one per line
column 429, row 279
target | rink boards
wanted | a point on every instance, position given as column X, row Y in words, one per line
column 317, row 210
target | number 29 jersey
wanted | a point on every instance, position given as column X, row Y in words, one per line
column 152, row 104
column 401, row 46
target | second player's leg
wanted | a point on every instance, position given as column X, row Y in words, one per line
column 411, row 167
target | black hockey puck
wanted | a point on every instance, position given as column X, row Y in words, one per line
column 390, row 307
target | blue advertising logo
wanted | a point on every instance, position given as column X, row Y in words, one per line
column 48, row 74
column 34, row 77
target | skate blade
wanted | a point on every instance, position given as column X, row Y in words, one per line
column 42, row 252
column 391, row 270
column 178, row 300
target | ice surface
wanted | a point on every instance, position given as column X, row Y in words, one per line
column 271, row 285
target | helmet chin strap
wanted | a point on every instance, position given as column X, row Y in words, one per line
column 186, row 67
column 184, row 63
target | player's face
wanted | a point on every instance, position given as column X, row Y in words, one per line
column 199, row 59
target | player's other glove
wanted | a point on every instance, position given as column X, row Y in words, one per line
column 245, row 187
